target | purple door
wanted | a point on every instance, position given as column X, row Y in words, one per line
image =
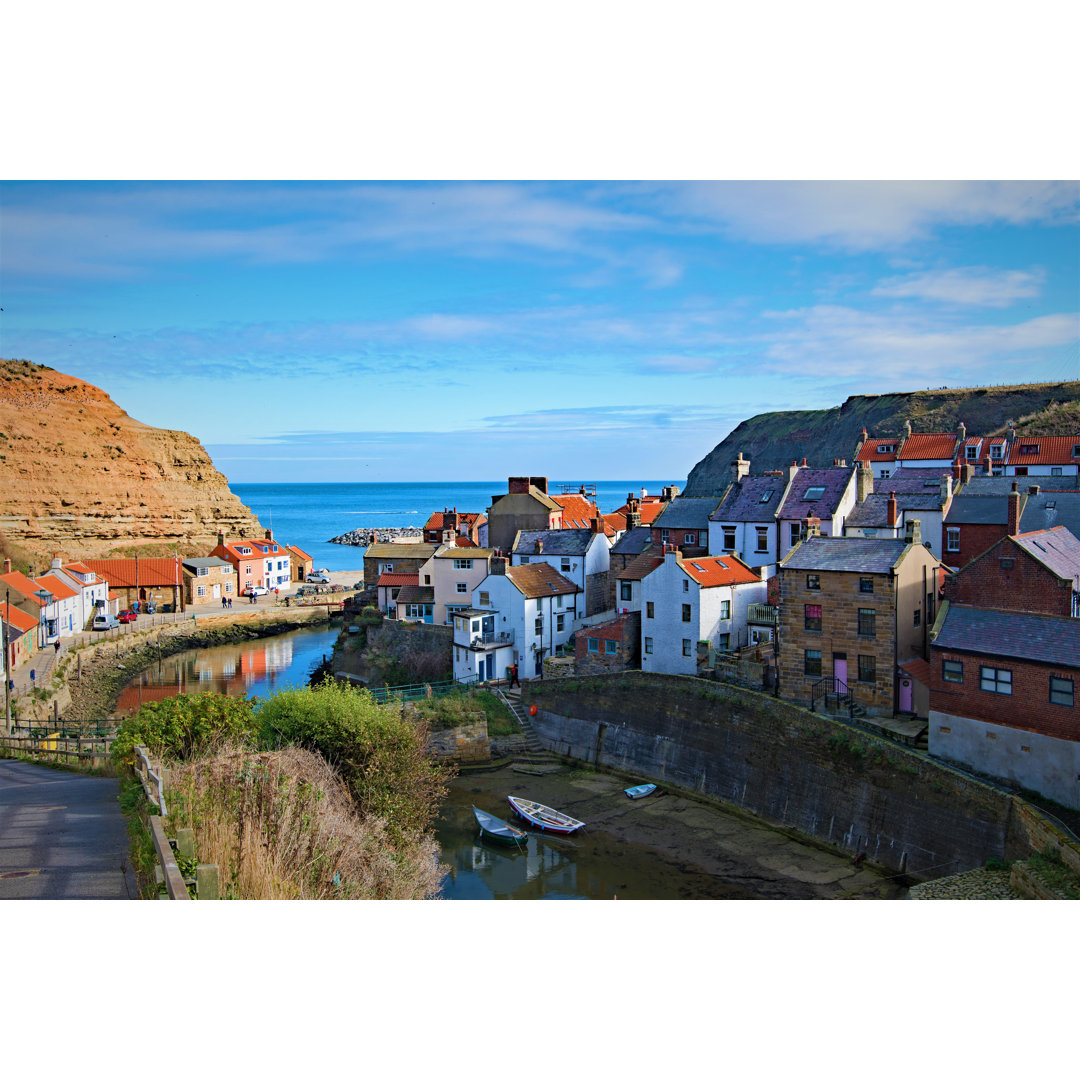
column 839, row 670
column 905, row 695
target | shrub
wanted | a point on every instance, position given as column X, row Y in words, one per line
column 178, row 726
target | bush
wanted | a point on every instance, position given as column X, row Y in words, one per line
column 179, row 726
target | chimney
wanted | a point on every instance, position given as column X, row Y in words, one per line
column 1033, row 490
column 891, row 519
column 792, row 471
column 1014, row 510
column 907, row 429
column 913, row 532
column 539, row 482
column 862, row 441
column 839, row 463
column 269, row 534
column 803, row 466
column 221, row 539
column 967, row 471
column 811, row 526
column 740, row 467
column 669, row 493
column 864, row 482
column 961, row 432
column 518, row 485
column 633, row 513
column 1010, row 434
column 497, row 565
column 946, row 489
column 7, row 566
column 56, row 563
column 598, row 524
column 539, row 547
column 671, row 551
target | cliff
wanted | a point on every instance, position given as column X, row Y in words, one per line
column 81, row 478
column 773, row 440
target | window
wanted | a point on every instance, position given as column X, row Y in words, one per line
column 795, row 533
column 1029, row 448
column 427, row 579
column 685, row 585
column 485, row 599
column 952, row 670
column 723, row 642
column 689, row 538
column 813, row 494
column 203, row 571
column 539, row 626
column 664, row 534
column 461, row 587
column 725, row 609
column 1061, row 691
column 1055, row 470
column 995, row 450
column 813, row 581
column 228, row 587
column 885, row 448
column 867, row 668
column 686, row 646
column 560, row 622
column 463, row 564
column 200, row 590
column 594, row 645
column 762, row 538
column 995, row 680
column 626, row 590
column 648, row 609
column 917, row 618
column 1021, row 470
column 610, row 648
column 952, row 539
column 686, row 613
column 866, row 622
column 559, row 600
column 812, row 662
column 767, row 496
column 971, row 453
column 648, row 644
column 885, row 474
column 729, row 537
column 565, row 566
column 524, row 560
column 1006, row 564
column 812, row 616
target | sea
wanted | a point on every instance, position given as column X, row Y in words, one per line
column 308, row 515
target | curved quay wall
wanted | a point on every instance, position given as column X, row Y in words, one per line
column 795, row 768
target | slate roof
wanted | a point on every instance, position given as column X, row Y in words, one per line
column 720, row 570
column 633, row 541
column 928, row 447
column 1002, row 485
column 539, row 579
column 416, row 594
column 743, row 500
column 911, row 481
column 856, row 554
column 1044, row 639
column 873, row 512
column 834, row 481
column 687, row 512
column 209, row 562
column 980, row 510
column 1057, row 549
column 555, row 541
column 1051, row 508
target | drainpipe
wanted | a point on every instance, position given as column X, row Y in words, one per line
column 896, row 640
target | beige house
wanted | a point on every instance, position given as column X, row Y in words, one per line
column 209, row 581
column 453, row 572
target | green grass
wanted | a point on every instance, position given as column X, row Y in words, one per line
column 137, row 808
column 1048, row 865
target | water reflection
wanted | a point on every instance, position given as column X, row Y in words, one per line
column 256, row 668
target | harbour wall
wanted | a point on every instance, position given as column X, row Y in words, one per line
column 795, row 768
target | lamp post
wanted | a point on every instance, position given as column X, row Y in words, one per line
column 7, row 662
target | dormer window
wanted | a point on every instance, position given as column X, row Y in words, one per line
column 886, row 448
column 1076, row 450
column 972, row 453
column 1029, row 448
column 995, row 450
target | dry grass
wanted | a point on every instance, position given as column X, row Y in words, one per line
column 282, row 826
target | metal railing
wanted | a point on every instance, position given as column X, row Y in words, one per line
column 497, row 637
column 414, row 692
column 833, row 695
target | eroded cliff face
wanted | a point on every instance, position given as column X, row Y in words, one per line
column 81, row 478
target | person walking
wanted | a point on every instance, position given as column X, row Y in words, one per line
column 514, row 677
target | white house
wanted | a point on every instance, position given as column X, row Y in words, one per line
column 61, row 614
column 745, row 523
column 582, row 556
column 93, row 591
column 533, row 604
column 688, row 600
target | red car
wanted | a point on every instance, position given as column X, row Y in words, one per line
column 127, row 616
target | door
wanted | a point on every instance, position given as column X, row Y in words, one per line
column 905, row 695
column 489, row 661
column 839, row 665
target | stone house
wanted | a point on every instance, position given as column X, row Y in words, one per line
column 300, row 562
column 208, row 581
column 388, row 558
column 525, row 506
column 852, row 610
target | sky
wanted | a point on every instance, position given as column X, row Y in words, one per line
column 377, row 331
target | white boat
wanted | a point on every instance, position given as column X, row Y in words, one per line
column 543, row 817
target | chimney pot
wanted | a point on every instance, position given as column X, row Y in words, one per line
column 892, row 511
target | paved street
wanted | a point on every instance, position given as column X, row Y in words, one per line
column 62, row 836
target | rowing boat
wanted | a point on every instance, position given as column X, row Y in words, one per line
column 493, row 828
column 543, row 817
column 640, row 791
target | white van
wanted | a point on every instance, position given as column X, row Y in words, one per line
column 105, row 622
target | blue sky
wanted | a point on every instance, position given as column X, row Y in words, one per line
column 465, row 330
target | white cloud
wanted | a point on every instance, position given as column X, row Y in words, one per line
column 863, row 215
column 979, row 286
column 678, row 365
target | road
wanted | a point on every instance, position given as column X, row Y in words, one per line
column 62, row 836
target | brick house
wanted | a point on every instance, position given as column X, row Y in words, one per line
column 448, row 525
column 610, row 646
column 684, row 523
column 1002, row 697
column 852, row 610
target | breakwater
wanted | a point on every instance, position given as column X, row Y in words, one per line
column 367, row 537
column 797, row 769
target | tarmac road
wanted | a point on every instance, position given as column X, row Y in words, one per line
column 62, row 836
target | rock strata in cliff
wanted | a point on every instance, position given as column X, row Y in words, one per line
column 80, row 477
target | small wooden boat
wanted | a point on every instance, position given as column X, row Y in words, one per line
column 493, row 828
column 640, row 791
column 543, row 817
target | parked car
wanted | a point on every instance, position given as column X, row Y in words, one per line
column 254, row 590
column 128, row 616
column 319, row 577
column 105, row 622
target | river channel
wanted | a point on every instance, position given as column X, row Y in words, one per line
column 664, row 847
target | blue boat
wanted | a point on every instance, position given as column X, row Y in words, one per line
column 640, row 791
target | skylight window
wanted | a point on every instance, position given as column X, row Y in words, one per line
column 767, row 496
column 1029, row 448
column 813, row 494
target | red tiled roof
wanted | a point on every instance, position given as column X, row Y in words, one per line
column 928, row 447
column 19, row 619
column 300, row 552
column 1049, row 450
column 21, row 584
column 120, row 573
column 464, row 541
column 398, row 579
column 640, row 567
column 59, row 590
column 869, row 450
column 717, row 570
column 578, row 512
column 539, row 579
column 436, row 521
column 79, row 568
column 918, row 669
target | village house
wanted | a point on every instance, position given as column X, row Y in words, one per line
column 388, row 587
column 526, row 506
column 690, row 599
column 300, row 562
column 911, row 450
column 624, row 552
column 629, row 580
column 62, row 612
column 453, row 572
column 580, row 555
column 448, row 527
column 1003, row 697
column 262, row 563
column 852, row 611
column 136, row 583
column 745, row 522
column 925, row 494
column 209, row 580
column 20, row 592
column 611, row 646
column 415, row 603
column 827, row 495
column 20, row 633
column 481, row 652
column 1043, row 455
column 985, row 455
column 386, row 558
column 684, row 523
column 535, row 604
column 93, row 591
